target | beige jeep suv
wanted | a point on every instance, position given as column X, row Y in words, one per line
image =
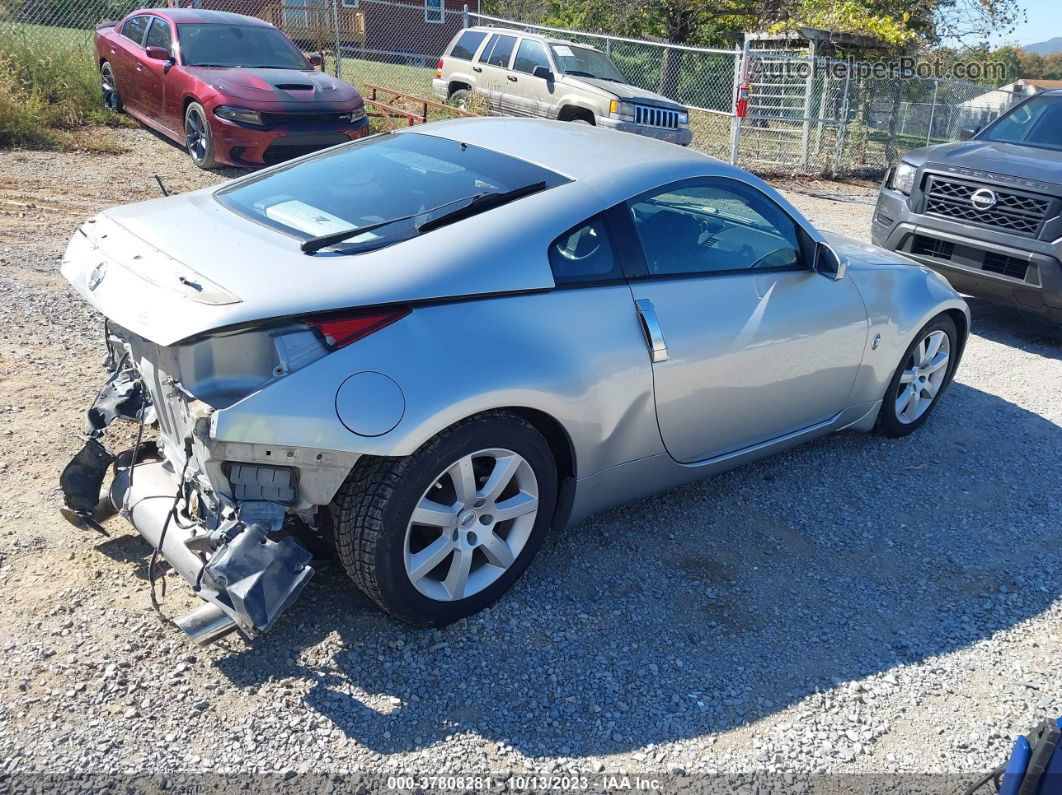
column 524, row 74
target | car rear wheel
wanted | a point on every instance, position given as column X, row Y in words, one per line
column 109, row 88
column 921, row 378
column 198, row 138
column 440, row 534
column 460, row 98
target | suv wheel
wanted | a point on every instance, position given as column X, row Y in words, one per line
column 459, row 98
column 440, row 534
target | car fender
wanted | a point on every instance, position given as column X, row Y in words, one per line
column 900, row 300
column 576, row 355
column 575, row 100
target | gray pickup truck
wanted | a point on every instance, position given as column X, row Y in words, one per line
column 986, row 211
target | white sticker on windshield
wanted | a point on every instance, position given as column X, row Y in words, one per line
column 301, row 216
column 563, row 51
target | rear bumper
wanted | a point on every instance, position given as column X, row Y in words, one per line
column 242, row 146
column 225, row 534
column 1007, row 268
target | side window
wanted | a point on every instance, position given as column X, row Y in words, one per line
column 584, row 254
column 531, row 54
column 503, row 49
column 133, row 29
column 707, row 226
column 485, row 55
column 467, row 44
column 159, row 35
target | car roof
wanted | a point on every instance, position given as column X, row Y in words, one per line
column 203, row 17
column 616, row 165
column 526, row 33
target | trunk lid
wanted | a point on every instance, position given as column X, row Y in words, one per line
column 168, row 269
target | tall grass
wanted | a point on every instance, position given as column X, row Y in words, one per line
column 49, row 89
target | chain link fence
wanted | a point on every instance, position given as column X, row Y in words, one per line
column 804, row 115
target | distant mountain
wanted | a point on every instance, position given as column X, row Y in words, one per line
column 1049, row 47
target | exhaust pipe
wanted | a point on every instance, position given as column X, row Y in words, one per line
column 206, row 624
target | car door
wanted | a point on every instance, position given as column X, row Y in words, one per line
column 533, row 96
column 749, row 342
column 127, row 53
column 494, row 67
column 152, row 74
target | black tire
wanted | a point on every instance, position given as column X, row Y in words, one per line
column 112, row 98
column 460, row 98
column 198, row 137
column 889, row 420
column 373, row 509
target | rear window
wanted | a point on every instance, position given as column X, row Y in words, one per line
column 378, row 179
column 465, row 47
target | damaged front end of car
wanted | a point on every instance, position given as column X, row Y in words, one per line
column 230, row 518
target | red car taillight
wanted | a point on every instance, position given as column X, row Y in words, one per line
column 343, row 328
column 439, row 68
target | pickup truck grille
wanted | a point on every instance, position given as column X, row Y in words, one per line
column 656, row 117
column 1020, row 213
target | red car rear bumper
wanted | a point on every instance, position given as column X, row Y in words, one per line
column 241, row 146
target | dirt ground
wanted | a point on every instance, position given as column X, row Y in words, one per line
column 857, row 605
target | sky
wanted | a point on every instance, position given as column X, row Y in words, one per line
column 1044, row 22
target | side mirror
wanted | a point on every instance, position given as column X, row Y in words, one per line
column 828, row 262
column 314, row 58
column 966, row 133
column 543, row 72
column 158, row 54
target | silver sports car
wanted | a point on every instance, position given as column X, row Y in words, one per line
column 424, row 349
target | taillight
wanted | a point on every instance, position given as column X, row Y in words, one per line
column 340, row 329
column 438, row 68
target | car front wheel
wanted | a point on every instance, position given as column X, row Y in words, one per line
column 920, row 380
column 440, row 534
column 198, row 137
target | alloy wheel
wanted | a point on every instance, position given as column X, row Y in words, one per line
column 471, row 524
column 195, row 136
column 923, row 376
column 108, row 87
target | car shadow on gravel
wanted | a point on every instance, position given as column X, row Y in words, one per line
column 713, row 605
column 1020, row 329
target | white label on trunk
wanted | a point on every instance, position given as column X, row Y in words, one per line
column 301, row 216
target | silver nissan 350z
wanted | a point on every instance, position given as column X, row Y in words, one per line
column 426, row 348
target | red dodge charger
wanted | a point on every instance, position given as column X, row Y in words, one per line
column 233, row 89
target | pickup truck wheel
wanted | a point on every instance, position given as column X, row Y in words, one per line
column 198, row 139
column 921, row 378
column 109, row 87
column 440, row 534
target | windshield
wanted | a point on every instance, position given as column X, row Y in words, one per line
column 408, row 176
column 1037, row 122
column 585, row 62
column 238, row 45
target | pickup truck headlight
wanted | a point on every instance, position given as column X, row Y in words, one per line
column 239, row 115
column 903, row 177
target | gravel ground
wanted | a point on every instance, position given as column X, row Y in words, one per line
column 855, row 606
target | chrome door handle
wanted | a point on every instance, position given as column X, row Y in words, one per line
column 654, row 335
